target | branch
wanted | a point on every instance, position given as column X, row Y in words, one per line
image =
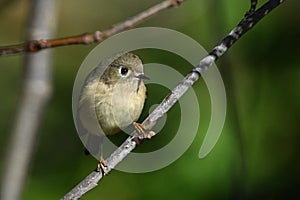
column 88, row 38
column 130, row 143
column 36, row 91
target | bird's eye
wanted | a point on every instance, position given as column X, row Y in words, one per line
column 123, row 71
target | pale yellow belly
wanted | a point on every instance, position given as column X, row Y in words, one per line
column 119, row 110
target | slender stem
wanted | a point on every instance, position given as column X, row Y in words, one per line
column 88, row 38
column 130, row 143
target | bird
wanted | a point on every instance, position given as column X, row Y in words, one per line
column 111, row 99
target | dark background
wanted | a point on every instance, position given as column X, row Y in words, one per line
column 257, row 156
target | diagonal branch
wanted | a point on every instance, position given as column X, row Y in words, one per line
column 130, row 143
column 88, row 38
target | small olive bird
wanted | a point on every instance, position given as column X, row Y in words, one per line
column 112, row 98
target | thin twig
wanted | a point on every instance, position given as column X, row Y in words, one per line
column 88, row 38
column 36, row 91
column 130, row 143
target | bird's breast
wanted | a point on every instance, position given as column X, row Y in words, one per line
column 119, row 108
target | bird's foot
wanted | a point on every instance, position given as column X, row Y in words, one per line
column 142, row 131
column 102, row 167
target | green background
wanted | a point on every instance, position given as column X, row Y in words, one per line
column 256, row 155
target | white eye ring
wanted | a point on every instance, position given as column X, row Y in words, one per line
column 124, row 71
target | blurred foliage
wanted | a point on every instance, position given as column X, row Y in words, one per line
column 257, row 156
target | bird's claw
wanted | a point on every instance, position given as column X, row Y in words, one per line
column 102, row 167
column 142, row 131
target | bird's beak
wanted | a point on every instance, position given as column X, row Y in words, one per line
column 142, row 76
